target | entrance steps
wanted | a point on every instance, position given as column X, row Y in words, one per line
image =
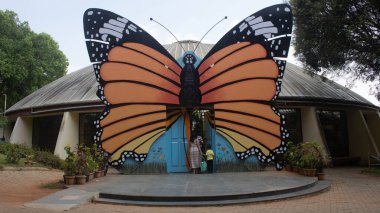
column 207, row 189
column 106, row 198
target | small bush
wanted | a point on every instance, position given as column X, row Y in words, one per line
column 54, row 185
column 48, row 159
column 5, row 147
column 14, row 152
column 13, row 155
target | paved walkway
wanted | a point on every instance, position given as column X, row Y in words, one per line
column 350, row 192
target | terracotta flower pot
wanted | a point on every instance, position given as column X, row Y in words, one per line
column 310, row 172
column 80, row 179
column 288, row 168
column 69, row 179
column 295, row 169
column 321, row 176
column 301, row 171
column 98, row 174
column 90, row 176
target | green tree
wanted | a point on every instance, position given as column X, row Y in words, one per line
column 28, row 60
column 339, row 37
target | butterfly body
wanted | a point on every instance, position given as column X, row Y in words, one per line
column 190, row 95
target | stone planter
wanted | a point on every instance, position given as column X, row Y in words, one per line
column 80, row 179
column 69, row 179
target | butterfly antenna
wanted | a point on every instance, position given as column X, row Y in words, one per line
column 225, row 17
column 169, row 32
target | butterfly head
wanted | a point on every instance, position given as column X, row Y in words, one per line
column 189, row 59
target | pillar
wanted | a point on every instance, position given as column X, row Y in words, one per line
column 22, row 132
column 68, row 134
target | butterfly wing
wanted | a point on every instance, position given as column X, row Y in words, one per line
column 137, row 78
column 241, row 77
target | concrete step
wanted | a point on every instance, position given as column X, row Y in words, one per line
column 305, row 190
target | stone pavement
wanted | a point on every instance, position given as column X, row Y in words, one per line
column 350, row 192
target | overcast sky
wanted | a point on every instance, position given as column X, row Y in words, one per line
column 186, row 19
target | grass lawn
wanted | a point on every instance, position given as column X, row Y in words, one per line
column 21, row 163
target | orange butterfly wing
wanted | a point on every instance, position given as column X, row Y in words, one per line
column 138, row 80
column 241, row 79
column 138, row 83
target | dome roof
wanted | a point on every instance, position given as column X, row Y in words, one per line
column 77, row 90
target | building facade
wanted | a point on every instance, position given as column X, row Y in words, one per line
column 316, row 109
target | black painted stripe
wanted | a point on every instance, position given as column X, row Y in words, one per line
column 237, row 81
column 134, row 128
column 134, row 116
column 259, row 142
column 248, row 114
column 148, row 139
column 224, row 57
column 231, row 68
column 153, row 58
column 136, row 138
column 148, row 70
column 238, row 101
column 142, row 83
column 232, row 137
column 246, row 125
column 140, row 103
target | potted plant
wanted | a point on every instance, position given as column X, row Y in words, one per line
column 289, row 156
column 98, row 161
column 295, row 161
column 301, row 167
column 82, row 166
column 309, row 164
column 312, row 156
column 92, row 166
column 69, row 166
column 321, row 164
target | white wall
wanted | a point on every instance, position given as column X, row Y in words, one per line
column 22, row 132
column 68, row 134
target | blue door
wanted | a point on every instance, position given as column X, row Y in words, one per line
column 177, row 146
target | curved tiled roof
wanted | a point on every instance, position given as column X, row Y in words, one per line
column 78, row 89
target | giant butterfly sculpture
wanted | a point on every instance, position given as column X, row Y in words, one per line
column 145, row 89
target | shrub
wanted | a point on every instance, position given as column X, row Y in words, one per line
column 311, row 154
column 70, row 163
column 13, row 155
column 5, row 147
column 82, row 164
column 14, row 152
column 92, row 165
column 48, row 159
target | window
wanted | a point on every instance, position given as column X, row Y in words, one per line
column 87, row 128
column 45, row 132
column 293, row 124
column 334, row 126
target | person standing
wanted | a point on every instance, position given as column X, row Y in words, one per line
column 210, row 159
column 195, row 156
